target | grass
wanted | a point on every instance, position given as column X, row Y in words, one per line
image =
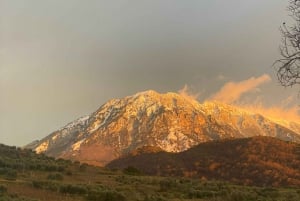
column 104, row 185
column 49, row 179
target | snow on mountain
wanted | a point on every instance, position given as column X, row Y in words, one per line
column 169, row 121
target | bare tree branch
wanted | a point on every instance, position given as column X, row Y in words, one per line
column 288, row 67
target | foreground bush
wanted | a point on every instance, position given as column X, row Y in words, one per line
column 132, row 171
column 55, row 176
column 106, row 195
column 3, row 189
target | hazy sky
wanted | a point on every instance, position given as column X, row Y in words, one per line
column 62, row 59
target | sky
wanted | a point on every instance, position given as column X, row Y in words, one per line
column 60, row 60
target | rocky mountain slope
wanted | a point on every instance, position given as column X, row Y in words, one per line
column 262, row 161
column 172, row 122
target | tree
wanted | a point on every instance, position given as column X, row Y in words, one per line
column 288, row 66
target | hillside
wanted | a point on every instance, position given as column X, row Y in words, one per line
column 171, row 122
column 262, row 161
column 26, row 176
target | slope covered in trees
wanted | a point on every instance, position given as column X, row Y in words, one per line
column 26, row 176
column 262, row 161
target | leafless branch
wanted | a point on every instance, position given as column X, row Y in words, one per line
column 288, row 67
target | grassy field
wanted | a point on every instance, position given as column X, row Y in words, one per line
column 29, row 177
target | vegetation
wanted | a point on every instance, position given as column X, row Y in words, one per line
column 26, row 176
column 260, row 161
column 132, row 171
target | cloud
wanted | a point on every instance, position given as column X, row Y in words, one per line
column 288, row 101
column 287, row 110
column 276, row 113
column 232, row 91
column 187, row 92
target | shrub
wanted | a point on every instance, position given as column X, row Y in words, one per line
column 154, row 198
column 3, row 170
column 56, row 176
column 132, row 171
column 83, row 167
column 11, row 175
column 68, row 172
column 105, row 196
column 201, row 194
column 3, row 189
column 46, row 185
column 242, row 196
column 73, row 189
column 167, row 184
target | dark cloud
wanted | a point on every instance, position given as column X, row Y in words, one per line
column 62, row 59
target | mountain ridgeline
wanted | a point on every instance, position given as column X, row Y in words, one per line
column 170, row 122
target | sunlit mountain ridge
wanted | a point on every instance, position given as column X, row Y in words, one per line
column 170, row 121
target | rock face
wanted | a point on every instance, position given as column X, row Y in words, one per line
column 171, row 122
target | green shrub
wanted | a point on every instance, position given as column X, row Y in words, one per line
column 154, row 198
column 3, row 189
column 73, row 189
column 3, row 170
column 201, row 194
column 167, row 184
column 11, row 175
column 55, row 176
column 132, row 171
column 106, row 195
column 68, row 172
column 83, row 167
column 47, row 185
column 15, row 197
column 242, row 196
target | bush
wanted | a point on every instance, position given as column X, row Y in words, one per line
column 242, row 196
column 132, row 171
column 73, row 189
column 3, row 189
column 11, row 175
column 83, row 167
column 105, row 196
column 3, row 170
column 56, row 176
column 168, row 184
column 68, row 172
column 45, row 185
column 201, row 194
column 154, row 198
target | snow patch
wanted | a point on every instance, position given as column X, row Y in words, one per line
column 54, row 137
column 42, row 147
column 81, row 121
column 76, row 146
column 97, row 124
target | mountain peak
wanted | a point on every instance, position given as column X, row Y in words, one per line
column 169, row 121
column 148, row 93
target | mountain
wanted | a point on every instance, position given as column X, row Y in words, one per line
column 263, row 161
column 171, row 122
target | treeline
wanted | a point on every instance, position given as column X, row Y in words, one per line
column 261, row 161
column 14, row 160
column 23, row 159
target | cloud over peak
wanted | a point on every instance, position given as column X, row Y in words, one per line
column 232, row 91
